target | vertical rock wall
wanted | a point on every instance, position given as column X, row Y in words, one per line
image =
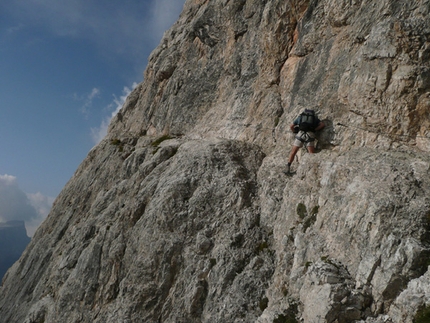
column 183, row 214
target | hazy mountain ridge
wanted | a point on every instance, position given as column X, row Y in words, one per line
column 183, row 214
column 13, row 240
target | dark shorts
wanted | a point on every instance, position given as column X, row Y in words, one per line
column 303, row 138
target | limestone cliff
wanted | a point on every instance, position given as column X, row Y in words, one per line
column 182, row 213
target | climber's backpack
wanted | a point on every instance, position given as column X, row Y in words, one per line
column 307, row 121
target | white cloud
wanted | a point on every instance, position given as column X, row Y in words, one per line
column 42, row 205
column 15, row 205
column 88, row 100
column 100, row 132
column 15, row 29
column 7, row 180
column 94, row 93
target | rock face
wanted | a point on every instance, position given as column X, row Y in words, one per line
column 13, row 240
column 182, row 213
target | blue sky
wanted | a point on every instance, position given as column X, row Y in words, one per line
column 65, row 68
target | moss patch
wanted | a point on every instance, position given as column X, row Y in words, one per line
column 301, row 210
column 158, row 141
column 261, row 246
column 264, row 302
column 289, row 318
column 309, row 218
column 315, row 209
column 118, row 143
column 423, row 315
column 308, row 263
column 309, row 221
column 327, row 260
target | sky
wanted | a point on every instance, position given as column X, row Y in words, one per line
column 66, row 68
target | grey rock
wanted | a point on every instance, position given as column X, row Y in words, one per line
column 183, row 214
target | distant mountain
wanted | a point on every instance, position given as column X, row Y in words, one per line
column 13, row 240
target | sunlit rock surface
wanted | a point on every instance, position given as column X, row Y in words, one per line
column 183, row 214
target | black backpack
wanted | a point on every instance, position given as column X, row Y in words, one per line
column 307, row 121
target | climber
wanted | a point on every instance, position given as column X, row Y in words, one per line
column 305, row 126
